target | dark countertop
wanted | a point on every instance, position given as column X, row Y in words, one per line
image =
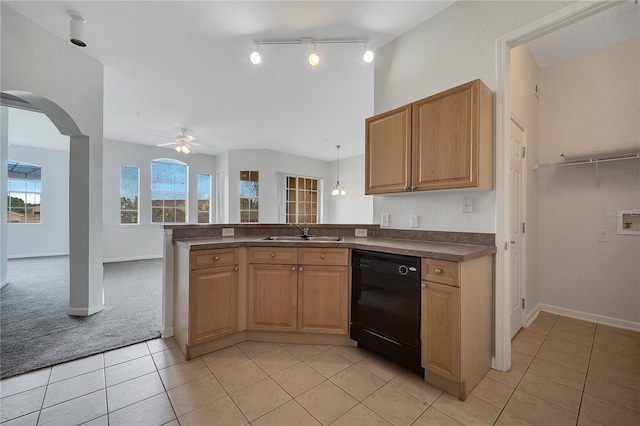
column 434, row 250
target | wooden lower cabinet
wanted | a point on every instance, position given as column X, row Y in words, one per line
column 312, row 297
column 323, row 299
column 213, row 303
column 206, row 296
column 457, row 323
column 273, row 292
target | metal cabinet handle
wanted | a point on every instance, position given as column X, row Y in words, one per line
column 406, row 188
column 322, row 256
column 423, row 285
column 413, row 187
column 215, row 258
column 235, row 269
column 438, row 271
column 273, row 255
column 301, row 269
column 293, row 268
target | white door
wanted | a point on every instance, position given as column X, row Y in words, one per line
column 517, row 259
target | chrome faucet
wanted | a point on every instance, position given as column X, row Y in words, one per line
column 305, row 231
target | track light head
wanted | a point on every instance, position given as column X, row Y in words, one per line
column 255, row 58
column 368, row 56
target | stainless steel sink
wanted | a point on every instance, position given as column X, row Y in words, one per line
column 302, row 238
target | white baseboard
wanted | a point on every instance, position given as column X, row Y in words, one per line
column 532, row 315
column 85, row 312
column 28, row 255
column 166, row 332
column 127, row 259
column 586, row 316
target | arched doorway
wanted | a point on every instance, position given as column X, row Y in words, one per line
column 86, row 294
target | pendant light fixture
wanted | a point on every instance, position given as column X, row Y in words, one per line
column 314, row 59
column 338, row 189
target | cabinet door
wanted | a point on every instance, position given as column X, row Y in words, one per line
column 272, row 297
column 440, row 331
column 213, row 301
column 323, row 299
column 388, row 152
column 444, row 142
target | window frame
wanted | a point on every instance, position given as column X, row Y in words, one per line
column 137, row 168
column 37, row 193
column 209, row 197
column 172, row 162
column 250, row 200
column 281, row 182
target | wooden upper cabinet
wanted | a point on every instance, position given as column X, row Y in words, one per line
column 388, row 152
column 444, row 141
column 452, row 139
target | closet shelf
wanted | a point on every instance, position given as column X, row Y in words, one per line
column 590, row 160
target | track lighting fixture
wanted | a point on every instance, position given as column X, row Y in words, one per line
column 314, row 58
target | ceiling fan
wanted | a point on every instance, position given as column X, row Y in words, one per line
column 183, row 143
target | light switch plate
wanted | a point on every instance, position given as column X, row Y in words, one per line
column 384, row 220
column 413, row 221
column 361, row 233
column 227, row 232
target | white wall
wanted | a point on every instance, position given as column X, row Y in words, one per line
column 35, row 61
column 144, row 240
column 355, row 206
column 50, row 237
column 453, row 47
column 268, row 163
column 523, row 76
column 590, row 101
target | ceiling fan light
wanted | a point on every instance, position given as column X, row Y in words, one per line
column 368, row 56
column 335, row 191
column 255, row 58
column 343, row 192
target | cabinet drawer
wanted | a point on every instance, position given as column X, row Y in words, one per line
column 441, row 271
column 323, row 256
column 199, row 259
column 274, row 255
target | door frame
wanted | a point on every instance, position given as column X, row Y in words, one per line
column 554, row 21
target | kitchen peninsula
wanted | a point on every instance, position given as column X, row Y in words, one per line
column 219, row 291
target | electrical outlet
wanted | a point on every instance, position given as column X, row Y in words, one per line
column 467, row 205
column 384, row 220
column 227, row 232
column 603, row 235
column 413, row 221
column 361, row 233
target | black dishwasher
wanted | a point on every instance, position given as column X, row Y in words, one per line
column 385, row 305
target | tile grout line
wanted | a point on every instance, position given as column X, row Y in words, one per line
column 525, row 372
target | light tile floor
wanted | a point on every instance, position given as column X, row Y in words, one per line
column 565, row 371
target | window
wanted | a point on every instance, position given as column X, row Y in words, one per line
column 301, row 199
column 168, row 191
column 129, row 192
column 24, row 187
column 204, row 197
column 248, row 196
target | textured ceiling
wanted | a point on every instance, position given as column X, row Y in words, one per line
column 185, row 64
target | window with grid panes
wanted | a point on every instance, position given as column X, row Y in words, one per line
column 302, row 195
column 24, row 188
column 204, row 198
column 168, row 191
column 129, row 191
column 249, row 196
